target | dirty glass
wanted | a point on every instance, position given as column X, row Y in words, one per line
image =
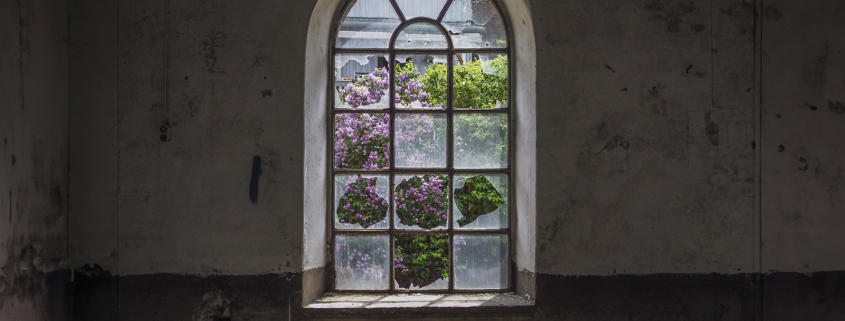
column 421, row 35
column 362, row 80
column 422, row 201
column 481, row 81
column 475, row 24
column 481, row 262
column 361, row 201
column 421, row 8
column 421, row 81
column 362, row 141
column 420, row 140
column 480, row 201
column 421, row 261
column 368, row 24
column 361, row 262
column 481, row 140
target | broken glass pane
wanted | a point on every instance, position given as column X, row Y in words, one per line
column 361, row 81
column 421, row 261
column 421, row 201
column 475, row 24
column 481, row 81
column 421, row 8
column 361, row 201
column 362, row 141
column 368, row 24
column 481, row 262
column 421, row 35
column 481, row 201
column 481, row 140
column 421, row 81
column 361, row 262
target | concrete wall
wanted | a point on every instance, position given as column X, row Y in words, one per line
column 34, row 166
column 648, row 141
column 645, row 113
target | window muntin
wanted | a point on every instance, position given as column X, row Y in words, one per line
column 436, row 155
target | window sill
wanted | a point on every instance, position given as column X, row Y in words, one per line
column 421, row 305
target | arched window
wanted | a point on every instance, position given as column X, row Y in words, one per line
column 421, row 156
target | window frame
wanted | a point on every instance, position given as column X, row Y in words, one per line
column 450, row 52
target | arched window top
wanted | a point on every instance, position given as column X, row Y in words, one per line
column 471, row 24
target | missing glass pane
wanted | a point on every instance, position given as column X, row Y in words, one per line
column 421, row 261
column 362, row 141
column 421, row 81
column 361, row 81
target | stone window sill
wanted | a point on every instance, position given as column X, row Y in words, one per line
column 418, row 305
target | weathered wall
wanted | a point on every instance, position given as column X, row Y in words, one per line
column 645, row 158
column 233, row 80
column 33, row 170
column 645, row 116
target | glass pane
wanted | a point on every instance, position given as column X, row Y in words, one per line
column 421, row 8
column 421, row 201
column 421, row 35
column 421, row 81
column 368, row 24
column 481, row 81
column 361, row 81
column 361, row 262
column 421, row 261
column 361, row 201
column 481, row 201
column 481, row 262
column 362, row 141
column 481, row 140
column 421, row 140
column 475, row 24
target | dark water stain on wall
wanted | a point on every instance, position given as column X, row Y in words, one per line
column 712, row 130
column 215, row 40
column 836, row 107
column 675, row 15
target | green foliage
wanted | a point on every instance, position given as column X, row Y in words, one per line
column 481, row 84
column 435, row 82
column 421, row 259
column 478, row 84
column 477, row 197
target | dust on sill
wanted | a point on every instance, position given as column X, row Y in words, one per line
column 332, row 300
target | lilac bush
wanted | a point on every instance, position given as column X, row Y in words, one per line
column 422, row 201
column 409, row 88
column 368, row 91
column 362, row 141
column 361, row 204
